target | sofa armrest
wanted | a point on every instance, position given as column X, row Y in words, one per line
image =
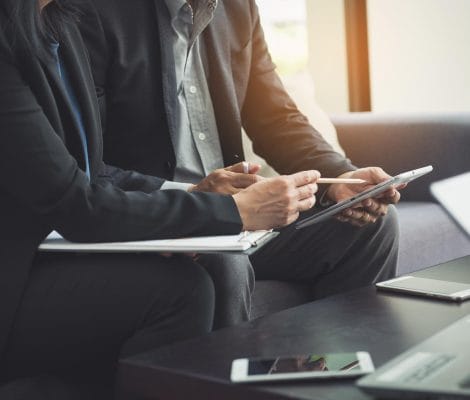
column 399, row 142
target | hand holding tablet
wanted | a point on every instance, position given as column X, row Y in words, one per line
column 372, row 192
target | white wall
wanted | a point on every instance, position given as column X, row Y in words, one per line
column 419, row 55
column 327, row 53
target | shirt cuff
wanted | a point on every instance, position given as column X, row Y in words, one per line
column 168, row 185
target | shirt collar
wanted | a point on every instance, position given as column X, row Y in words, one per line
column 174, row 6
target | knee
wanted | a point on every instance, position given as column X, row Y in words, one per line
column 199, row 298
column 231, row 274
column 385, row 234
column 389, row 225
column 202, row 287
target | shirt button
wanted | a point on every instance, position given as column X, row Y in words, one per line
column 202, row 136
column 193, row 89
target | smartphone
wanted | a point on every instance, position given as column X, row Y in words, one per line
column 335, row 209
column 446, row 290
column 306, row 366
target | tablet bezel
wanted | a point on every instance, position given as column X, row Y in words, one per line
column 400, row 179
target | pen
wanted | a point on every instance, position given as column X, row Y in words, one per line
column 341, row 180
column 351, row 181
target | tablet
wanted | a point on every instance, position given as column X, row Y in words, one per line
column 446, row 290
column 402, row 178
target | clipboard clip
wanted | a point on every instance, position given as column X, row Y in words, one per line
column 245, row 237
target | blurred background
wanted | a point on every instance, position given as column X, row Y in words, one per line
column 372, row 55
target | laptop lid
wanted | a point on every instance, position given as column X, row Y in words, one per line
column 454, row 196
column 437, row 367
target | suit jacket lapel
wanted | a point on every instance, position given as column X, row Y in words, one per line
column 167, row 61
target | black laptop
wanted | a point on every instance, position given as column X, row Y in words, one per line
column 438, row 368
column 454, row 196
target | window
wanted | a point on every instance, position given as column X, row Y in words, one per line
column 285, row 27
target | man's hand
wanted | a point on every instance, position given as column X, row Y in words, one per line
column 369, row 210
column 229, row 180
column 276, row 202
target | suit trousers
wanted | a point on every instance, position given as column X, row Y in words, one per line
column 331, row 257
column 234, row 282
column 81, row 313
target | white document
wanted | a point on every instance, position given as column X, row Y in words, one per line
column 242, row 242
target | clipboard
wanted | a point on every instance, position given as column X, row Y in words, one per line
column 245, row 243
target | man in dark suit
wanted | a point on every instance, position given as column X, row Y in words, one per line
column 176, row 81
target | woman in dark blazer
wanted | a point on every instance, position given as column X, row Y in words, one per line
column 73, row 316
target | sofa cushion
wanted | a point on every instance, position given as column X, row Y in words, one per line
column 427, row 237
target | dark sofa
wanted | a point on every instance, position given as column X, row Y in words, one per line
column 399, row 142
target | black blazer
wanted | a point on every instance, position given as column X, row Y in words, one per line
column 43, row 186
column 135, row 80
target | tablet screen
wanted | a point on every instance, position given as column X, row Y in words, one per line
column 402, row 178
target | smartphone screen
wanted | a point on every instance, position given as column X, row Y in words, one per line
column 302, row 366
column 303, row 363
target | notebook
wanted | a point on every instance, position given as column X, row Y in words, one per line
column 437, row 368
column 245, row 242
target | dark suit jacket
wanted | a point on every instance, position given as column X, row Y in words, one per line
column 135, row 79
column 42, row 183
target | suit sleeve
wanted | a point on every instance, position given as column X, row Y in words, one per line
column 38, row 172
column 279, row 131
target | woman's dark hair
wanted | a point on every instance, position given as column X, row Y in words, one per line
column 33, row 30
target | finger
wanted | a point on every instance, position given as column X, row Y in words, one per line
column 377, row 174
column 306, row 204
column 357, row 222
column 374, row 207
column 350, row 221
column 392, row 196
column 238, row 167
column 367, row 218
column 305, row 177
column 307, row 191
column 253, row 168
column 359, row 215
column 395, row 198
column 292, row 218
column 242, row 181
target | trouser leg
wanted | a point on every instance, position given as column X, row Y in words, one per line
column 332, row 256
column 79, row 314
column 234, row 282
